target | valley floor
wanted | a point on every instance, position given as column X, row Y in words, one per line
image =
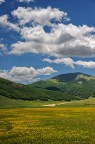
column 68, row 123
column 12, row 103
column 47, row 125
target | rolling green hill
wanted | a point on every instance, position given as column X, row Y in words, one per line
column 62, row 87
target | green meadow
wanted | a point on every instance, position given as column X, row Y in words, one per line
column 24, row 122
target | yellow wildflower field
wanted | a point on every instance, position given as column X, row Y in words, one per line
column 53, row 125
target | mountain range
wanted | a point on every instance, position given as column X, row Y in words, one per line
column 70, row 86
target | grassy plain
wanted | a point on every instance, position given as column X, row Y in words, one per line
column 70, row 123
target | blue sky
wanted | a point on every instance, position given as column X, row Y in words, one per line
column 43, row 38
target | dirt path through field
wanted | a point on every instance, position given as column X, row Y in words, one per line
column 53, row 105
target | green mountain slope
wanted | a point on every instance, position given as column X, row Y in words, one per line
column 72, row 77
column 63, row 87
column 78, row 85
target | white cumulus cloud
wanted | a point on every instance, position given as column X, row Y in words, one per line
column 26, row 1
column 43, row 31
column 1, row 1
column 63, row 40
column 25, row 74
column 86, row 64
column 5, row 23
column 67, row 61
column 41, row 16
column 71, row 63
column 2, row 48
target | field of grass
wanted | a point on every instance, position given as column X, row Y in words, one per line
column 12, row 103
column 24, row 122
column 47, row 125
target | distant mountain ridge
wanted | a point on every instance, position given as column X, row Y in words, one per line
column 71, row 77
column 62, row 87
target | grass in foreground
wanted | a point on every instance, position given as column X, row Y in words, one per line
column 68, row 125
